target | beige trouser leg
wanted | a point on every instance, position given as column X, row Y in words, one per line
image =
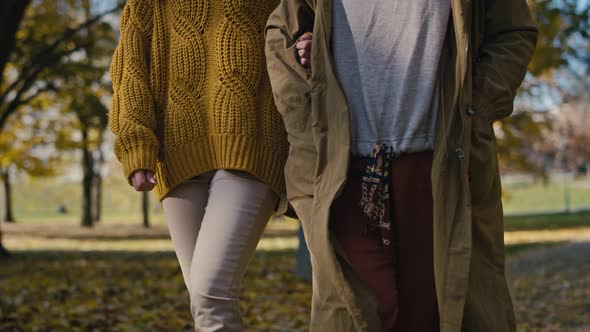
column 215, row 222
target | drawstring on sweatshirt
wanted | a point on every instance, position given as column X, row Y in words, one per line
column 376, row 180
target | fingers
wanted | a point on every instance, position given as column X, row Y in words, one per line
column 138, row 181
column 304, row 44
column 304, row 53
column 150, row 177
column 304, row 50
column 143, row 180
column 304, row 57
column 306, row 36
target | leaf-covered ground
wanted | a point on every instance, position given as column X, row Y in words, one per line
column 551, row 287
column 136, row 285
column 135, row 291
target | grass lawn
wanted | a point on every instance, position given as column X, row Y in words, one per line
column 37, row 199
column 531, row 197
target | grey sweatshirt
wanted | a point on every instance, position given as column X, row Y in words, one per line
column 386, row 55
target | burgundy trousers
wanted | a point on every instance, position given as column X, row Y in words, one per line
column 402, row 275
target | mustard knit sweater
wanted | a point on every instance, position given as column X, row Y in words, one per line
column 191, row 92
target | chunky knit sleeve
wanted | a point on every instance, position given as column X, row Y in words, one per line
column 132, row 118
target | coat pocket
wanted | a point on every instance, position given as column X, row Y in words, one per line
column 486, row 195
column 486, row 192
column 483, row 168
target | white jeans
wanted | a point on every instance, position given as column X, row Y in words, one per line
column 215, row 222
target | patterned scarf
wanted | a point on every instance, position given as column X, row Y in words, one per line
column 375, row 192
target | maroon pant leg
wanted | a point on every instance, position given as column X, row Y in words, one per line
column 413, row 229
column 364, row 250
column 403, row 281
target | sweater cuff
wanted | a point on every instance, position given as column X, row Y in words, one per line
column 139, row 157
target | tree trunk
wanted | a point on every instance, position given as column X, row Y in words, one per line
column 97, row 211
column 145, row 208
column 3, row 252
column 98, row 179
column 11, row 15
column 8, row 216
column 88, row 177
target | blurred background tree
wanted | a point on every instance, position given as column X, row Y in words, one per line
column 557, row 75
column 84, row 92
column 25, row 144
column 45, row 48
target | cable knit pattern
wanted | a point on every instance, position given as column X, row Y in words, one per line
column 191, row 92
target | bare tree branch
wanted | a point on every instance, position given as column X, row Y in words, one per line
column 28, row 99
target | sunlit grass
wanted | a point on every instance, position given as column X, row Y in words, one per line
column 38, row 200
column 539, row 197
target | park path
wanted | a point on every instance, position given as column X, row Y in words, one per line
column 576, row 234
column 118, row 237
column 551, row 288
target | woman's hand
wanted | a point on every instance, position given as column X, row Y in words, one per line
column 304, row 49
column 143, row 180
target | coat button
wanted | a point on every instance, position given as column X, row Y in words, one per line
column 469, row 110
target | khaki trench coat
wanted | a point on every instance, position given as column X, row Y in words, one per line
column 488, row 46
